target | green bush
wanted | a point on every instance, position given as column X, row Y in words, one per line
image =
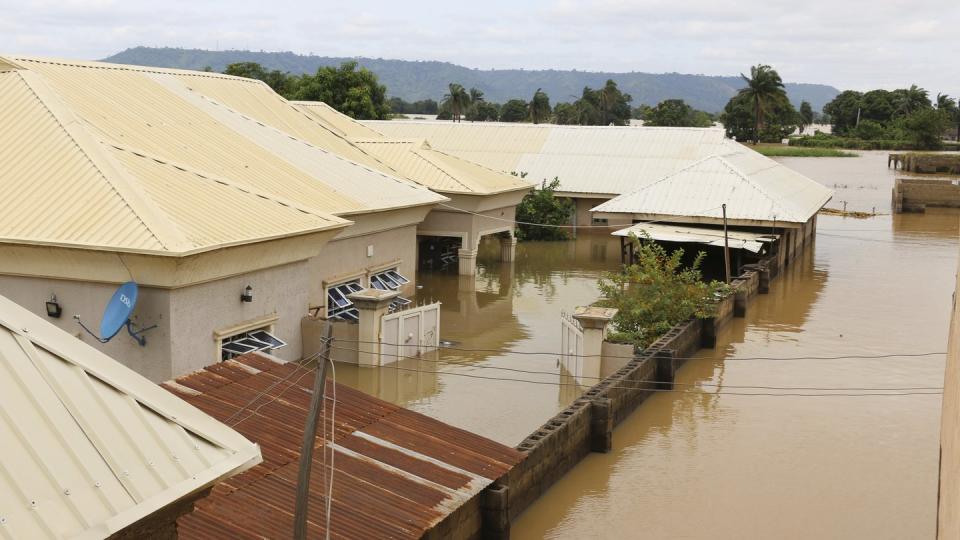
column 543, row 207
column 656, row 293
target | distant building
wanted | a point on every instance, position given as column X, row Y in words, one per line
column 673, row 177
column 397, row 473
column 92, row 449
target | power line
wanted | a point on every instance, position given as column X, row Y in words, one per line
column 754, row 358
column 300, row 365
column 651, row 381
column 719, row 392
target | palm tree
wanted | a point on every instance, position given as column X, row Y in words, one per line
column 946, row 104
column 476, row 95
column 765, row 89
column 457, row 100
column 539, row 107
column 913, row 99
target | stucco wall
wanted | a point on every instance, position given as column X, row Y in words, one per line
column 346, row 258
column 948, row 514
column 88, row 301
column 199, row 311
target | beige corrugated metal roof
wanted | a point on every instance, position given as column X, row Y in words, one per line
column 754, row 188
column 91, row 447
column 596, row 160
column 334, row 119
column 156, row 112
column 416, row 159
column 439, row 171
column 64, row 186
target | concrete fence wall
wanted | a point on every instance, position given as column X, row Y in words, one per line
column 915, row 194
column 587, row 424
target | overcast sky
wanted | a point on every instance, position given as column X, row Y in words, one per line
column 848, row 44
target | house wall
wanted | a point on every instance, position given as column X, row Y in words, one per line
column 88, row 300
column 346, row 258
column 186, row 318
column 200, row 312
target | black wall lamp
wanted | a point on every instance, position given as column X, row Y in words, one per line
column 247, row 294
column 53, row 308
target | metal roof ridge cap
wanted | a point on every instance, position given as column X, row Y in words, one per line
column 473, row 187
column 237, row 185
column 398, row 178
column 120, row 179
column 96, row 64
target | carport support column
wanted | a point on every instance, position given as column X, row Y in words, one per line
column 467, row 258
column 372, row 304
column 508, row 248
column 594, row 321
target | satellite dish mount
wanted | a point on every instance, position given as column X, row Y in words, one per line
column 117, row 315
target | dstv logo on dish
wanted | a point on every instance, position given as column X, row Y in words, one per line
column 126, row 301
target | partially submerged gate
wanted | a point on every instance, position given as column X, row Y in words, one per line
column 409, row 333
column 571, row 346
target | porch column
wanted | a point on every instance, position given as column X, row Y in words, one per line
column 594, row 321
column 372, row 304
column 467, row 259
column 508, row 248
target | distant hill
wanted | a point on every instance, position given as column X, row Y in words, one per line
column 414, row 80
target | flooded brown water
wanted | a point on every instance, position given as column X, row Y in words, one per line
column 727, row 466
column 722, row 466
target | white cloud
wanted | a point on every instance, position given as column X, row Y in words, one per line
column 850, row 44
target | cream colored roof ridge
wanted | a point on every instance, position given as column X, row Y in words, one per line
column 88, row 472
column 154, row 220
column 400, row 179
column 542, row 126
column 239, row 186
column 519, row 183
column 92, row 64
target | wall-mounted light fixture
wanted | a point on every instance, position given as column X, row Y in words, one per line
column 247, row 294
column 53, row 308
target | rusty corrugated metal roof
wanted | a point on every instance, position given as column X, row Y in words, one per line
column 398, row 473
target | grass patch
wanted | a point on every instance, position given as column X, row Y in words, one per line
column 800, row 151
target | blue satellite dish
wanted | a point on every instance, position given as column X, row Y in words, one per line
column 118, row 310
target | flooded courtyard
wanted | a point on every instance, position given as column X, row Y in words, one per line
column 696, row 465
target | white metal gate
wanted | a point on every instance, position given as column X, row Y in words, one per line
column 409, row 333
column 571, row 346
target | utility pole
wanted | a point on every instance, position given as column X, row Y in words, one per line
column 726, row 246
column 309, row 437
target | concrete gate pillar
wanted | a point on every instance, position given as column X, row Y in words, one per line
column 508, row 248
column 372, row 304
column 594, row 321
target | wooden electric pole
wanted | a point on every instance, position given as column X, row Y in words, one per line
column 309, row 437
column 726, row 246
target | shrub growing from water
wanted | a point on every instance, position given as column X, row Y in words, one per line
column 542, row 206
column 656, row 293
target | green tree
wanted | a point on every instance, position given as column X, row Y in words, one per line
column 657, row 292
column 515, row 110
column 543, row 207
column 539, row 107
column 946, row 104
column 566, row 114
column 925, row 127
column 806, row 115
column 739, row 120
column 844, row 111
column 910, row 100
column 354, row 92
column 281, row 83
column 457, row 100
column 483, row 111
column 675, row 112
column 765, row 90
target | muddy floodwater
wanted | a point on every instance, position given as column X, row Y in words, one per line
column 696, row 465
